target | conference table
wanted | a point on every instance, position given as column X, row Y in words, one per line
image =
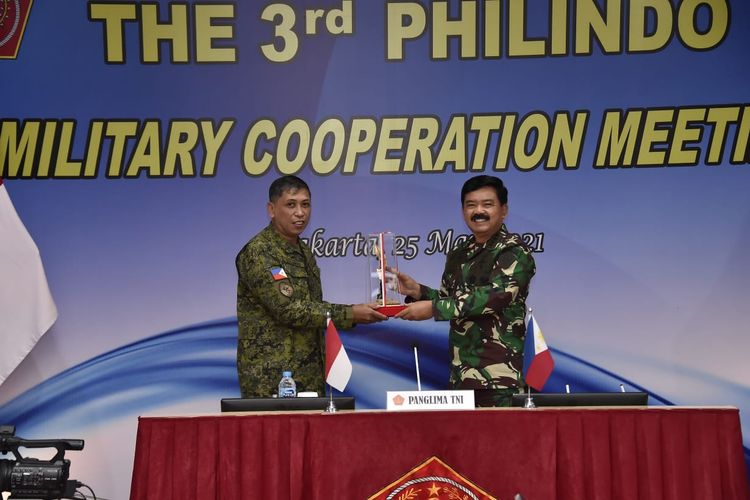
column 643, row 453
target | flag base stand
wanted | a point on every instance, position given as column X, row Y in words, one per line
column 529, row 402
column 331, row 408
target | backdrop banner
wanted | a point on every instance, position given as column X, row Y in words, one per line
column 138, row 141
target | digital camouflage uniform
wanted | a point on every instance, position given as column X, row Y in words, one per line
column 483, row 293
column 281, row 319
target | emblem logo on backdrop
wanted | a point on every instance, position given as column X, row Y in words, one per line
column 13, row 17
column 432, row 479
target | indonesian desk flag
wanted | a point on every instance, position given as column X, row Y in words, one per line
column 27, row 310
column 338, row 366
column 537, row 358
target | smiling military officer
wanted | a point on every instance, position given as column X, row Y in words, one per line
column 483, row 294
column 280, row 307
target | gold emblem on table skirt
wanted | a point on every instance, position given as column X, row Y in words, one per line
column 432, row 479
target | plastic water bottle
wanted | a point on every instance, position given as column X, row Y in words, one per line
column 287, row 386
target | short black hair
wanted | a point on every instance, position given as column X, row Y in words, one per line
column 285, row 183
column 480, row 181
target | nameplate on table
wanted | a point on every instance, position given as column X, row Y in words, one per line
column 429, row 400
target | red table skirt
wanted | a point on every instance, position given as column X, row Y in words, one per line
column 572, row 453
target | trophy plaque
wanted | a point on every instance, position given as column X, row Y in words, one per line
column 383, row 281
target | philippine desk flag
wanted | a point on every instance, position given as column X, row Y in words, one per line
column 27, row 310
column 537, row 358
column 338, row 366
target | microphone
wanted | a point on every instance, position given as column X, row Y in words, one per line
column 416, row 364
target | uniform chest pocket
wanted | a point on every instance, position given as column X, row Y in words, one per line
column 295, row 270
column 303, row 278
column 473, row 275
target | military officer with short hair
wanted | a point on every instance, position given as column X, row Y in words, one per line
column 483, row 294
column 280, row 307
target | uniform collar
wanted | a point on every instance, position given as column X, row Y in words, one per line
column 276, row 237
column 492, row 241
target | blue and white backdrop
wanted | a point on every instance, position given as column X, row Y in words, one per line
column 138, row 141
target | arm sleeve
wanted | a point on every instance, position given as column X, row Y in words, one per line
column 296, row 310
column 512, row 273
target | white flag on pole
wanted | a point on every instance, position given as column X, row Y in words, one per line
column 27, row 310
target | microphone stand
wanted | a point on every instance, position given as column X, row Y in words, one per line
column 416, row 364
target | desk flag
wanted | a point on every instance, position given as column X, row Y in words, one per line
column 338, row 366
column 537, row 358
column 27, row 310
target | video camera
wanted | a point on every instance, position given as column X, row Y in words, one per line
column 31, row 477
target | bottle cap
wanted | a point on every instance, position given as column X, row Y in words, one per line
column 286, row 373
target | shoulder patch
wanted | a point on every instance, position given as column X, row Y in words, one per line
column 286, row 289
column 278, row 273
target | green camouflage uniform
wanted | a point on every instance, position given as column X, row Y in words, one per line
column 483, row 294
column 281, row 320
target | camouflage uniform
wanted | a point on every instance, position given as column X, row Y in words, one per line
column 483, row 294
column 281, row 318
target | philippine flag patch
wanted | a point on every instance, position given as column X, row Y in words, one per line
column 278, row 273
